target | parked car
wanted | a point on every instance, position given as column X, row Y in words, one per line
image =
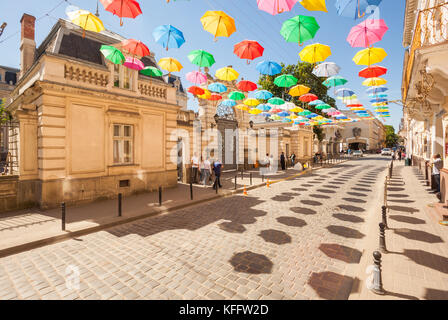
column 386, row 152
column 357, row 153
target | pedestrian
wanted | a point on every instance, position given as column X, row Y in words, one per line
column 437, row 164
column 283, row 161
column 201, row 169
column 194, row 167
column 399, row 155
column 271, row 163
column 349, row 151
column 217, row 167
column 293, row 159
column 393, row 155
column 207, row 172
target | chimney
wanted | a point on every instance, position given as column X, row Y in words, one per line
column 27, row 43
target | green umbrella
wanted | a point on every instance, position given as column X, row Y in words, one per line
column 201, row 58
column 334, row 81
column 299, row 29
column 285, row 81
column 236, row 95
column 112, row 54
column 276, row 101
column 322, row 106
column 305, row 113
column 151, row 72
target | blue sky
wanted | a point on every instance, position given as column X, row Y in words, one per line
column 251, row 24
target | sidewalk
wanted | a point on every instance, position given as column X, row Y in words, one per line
column 31, row 228
column 416, row 264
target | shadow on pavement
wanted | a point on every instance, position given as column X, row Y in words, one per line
column 330, row 285
column 348, row 217
column 291, row 221
column 351, row 208
column 306, row 211
column 275, row 236
column 418, row 235
column 407, row 219
column 345, row 232
column 250, row 262
column 340, row 252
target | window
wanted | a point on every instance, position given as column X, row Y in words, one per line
column 123, row 147
column 122, row 77
column 127, row 79
column 116, row 75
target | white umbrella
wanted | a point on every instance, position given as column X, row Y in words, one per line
column 326, row 69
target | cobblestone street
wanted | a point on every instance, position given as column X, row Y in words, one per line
column 299, row 239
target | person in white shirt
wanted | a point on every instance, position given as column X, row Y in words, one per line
column 194, row 168
column 206, row 171
column 437, row 164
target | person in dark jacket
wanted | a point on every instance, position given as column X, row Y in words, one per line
column 217, row 167
column 283, row 161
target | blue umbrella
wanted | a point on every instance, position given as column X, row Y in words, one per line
column 168, row 36
column 344, row 92
column 283, row 114
column 217, row 87
column 376, row 90
column 315, row 102
column 263, row 95
column 269, row 68
column 355, row 8
column 228, row 103
column 380, row 95
column 263, row 107
column 311, row 115
column 286, row 120
column 265, row 114
column 378, row 100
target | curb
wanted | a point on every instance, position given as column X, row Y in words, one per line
column 123, row 220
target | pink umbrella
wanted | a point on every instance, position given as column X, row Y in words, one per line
column 196, row 77
column 133, row 63
column 367, row 33
column 333, row 113
column 276, row 6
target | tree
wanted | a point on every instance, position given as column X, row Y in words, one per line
column 391, row 136
column 4, row 115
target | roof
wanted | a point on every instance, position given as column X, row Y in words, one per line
column 409, row 21
column 170, row 79
column 10, row 69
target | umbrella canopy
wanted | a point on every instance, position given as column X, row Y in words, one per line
column 344, row 92
column 296, row 109
column 86, row 20
column 375, row 90
column 334, row 81
column 196, row 77
column 228, row 103
column 367, row 33
column 112, row 54
column 242, row 107
column 151, row 72
column 170, row 65
column 264, row 107
column 315, row 53
column 207, row 94
column 276, row 110
column 370, row 56
column 299, row 90
column 305, row 113
column 255, row 111
column 276, row 6
column 251, row 102
column 276, row 101
column 122, row 8
column 217, row 87
column 308, row 97
column 323, row 106
column 326, row 69
column 133, row 63
column 378, row 100
column 373, row 82
column 236, row 95
column 226, row 74
column 201, row 58
column 269, row 68
column 314, row 5
column 315, row 102
column 263, row 95
column 378, row 95
column 218, row 23
column 299, row 29
column 283, row 114
column 194, row 90
column 373, row 71
column 247, row 86
column 354, row 8
column 215, row 97
column 135, row 47
column 248, row 49
column 168, row 36
column 285, row 81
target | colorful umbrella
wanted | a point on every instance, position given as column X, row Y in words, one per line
column 227, row 74
column 196, row 77
column 354, row 8
column 285, row 81
column 326, row 69
column 263, row 107
column 217, row 87
column 299, row 29
column 247, row 86
column 151, row 72
column 373, row 71
column 315, row 53
column 218, row 23
column 122, row 8
column 170, row 65
column 206, row 96
column 194, row 90
column 370, row 56
column 379, row 95
column 236, row 95
column 323, row 106
column 201, row 58
column 255, row 111
column 135, row 47
column 276, row 101
column 314, row 5
column 242, row 107
column 367, row 33
column 86, row 20
column 263, row 95
column 308, row 97
column 305, row 113
column 112, row 54
column 299, row 90
column 344, row 92
column 373, row 82
column 168, row 36
column 334, row 81
column 376, row 90
column 296, row 109
column 251, row 102
column 228, row 103
column 315, row 102
column 283, row 114
column 276, row 6
column 215, row 97
column 133, row 63
column 270, row 68
column 248, row 49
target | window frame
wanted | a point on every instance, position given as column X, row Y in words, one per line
column 121, row 139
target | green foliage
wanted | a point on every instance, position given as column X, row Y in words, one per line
column 391, row 136
column 4, row 115
column 319, row 132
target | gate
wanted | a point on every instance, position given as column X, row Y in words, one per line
column 227, row 145
column 9, row 132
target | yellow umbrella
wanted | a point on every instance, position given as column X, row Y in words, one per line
column 314, row 5
column 370, row 82
column 218, row 23
column 254, row 111
column 296, row 109
column 251, row 102
column 242, row 107
column 369, row 56
column 299, row 90
column 357, row 108
column 86, row 20
column 207, row 94
column 170, row 65
column 293, row 116
column 227, row 74
column 379, row 104
column 315, row 53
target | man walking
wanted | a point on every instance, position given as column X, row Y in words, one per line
column 283, row 161
column 217, row 167
column 437, row 164
column 194, row 167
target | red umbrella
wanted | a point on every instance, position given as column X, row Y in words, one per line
column 135, row 47
column 196, row 90
column 355, row 105
column 373, row 72
column 248, row 49
column 215, row 97
column 308, row 97
column 246, row 86
column 122, row 8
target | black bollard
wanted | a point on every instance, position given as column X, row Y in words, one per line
column 384, row 217
column 242, row 174
column 382, row 238
column 160, row 196
column 119, row 204
column 250, row 175
column 191, row 191
column 236, row 176
column 63, row 215
column 377, row 285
